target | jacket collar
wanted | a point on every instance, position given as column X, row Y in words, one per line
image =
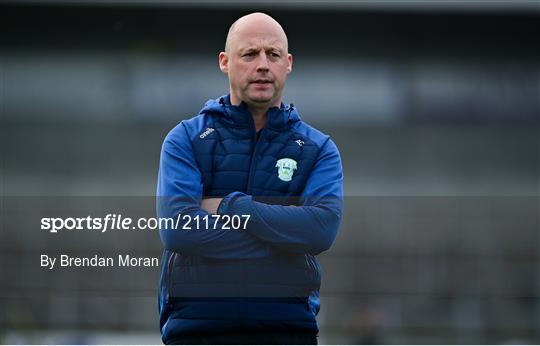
column 240, row 116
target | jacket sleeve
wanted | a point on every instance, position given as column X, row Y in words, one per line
column 309, row 228
column 179, row 192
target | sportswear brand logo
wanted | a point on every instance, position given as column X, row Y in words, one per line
column 286, row 168
column 206, row 132
column 299, row 142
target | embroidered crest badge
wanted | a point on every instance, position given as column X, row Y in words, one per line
column 286, row 168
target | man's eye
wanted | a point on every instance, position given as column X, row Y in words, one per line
column 275, row 55
column 249, row 54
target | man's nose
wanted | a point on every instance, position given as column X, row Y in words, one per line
column 262, row 62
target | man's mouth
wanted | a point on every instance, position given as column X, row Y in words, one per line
column 261, row 81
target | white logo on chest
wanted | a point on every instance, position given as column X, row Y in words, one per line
column 286, row 168
column 208, row 131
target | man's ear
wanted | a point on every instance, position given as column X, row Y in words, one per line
column 289, row 61
column 224, row 62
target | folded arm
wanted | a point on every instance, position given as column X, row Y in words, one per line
column 309, row 228
column 179, row 191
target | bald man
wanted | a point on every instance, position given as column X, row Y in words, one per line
column 259, row 193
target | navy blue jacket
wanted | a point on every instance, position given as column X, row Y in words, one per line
column 288, row 179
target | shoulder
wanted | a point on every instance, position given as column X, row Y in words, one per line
column 188, row 129
column 317, row 137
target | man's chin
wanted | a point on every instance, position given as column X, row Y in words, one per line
column 261, row 100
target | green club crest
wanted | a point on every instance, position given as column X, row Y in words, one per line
column 286, row 168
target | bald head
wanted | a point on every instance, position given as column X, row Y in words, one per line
column 257, row 62
column 254, row 22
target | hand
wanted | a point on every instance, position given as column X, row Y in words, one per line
column 211, row 204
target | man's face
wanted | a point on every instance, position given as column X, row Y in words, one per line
column 257, row 64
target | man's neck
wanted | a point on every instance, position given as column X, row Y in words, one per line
column 259, row 117
column 258, row 112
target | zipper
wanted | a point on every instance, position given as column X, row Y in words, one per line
column 253, row 162
column 170, row 268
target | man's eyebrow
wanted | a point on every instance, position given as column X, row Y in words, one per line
column 249, row 49
column 256, row 49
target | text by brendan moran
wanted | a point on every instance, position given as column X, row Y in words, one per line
column 66, row 261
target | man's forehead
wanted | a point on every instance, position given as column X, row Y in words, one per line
column 257, row 30
column 257, row 44
column 261, row 40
